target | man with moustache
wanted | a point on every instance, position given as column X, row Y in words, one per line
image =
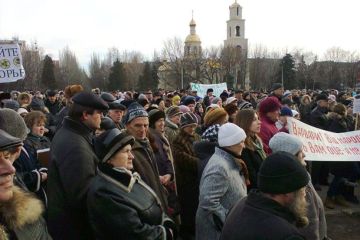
column 20, row 212
column 274, row 210
column 72, row 167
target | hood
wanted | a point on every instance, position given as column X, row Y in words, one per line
column 204, row 149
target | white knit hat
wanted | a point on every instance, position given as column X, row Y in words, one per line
column 285, row 142
column 230, row 100
column 230, row 134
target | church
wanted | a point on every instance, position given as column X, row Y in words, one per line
column 197, row 68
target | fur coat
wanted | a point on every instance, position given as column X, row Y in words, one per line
column 21, row 218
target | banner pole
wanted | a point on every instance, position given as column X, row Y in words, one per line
column 356, row 121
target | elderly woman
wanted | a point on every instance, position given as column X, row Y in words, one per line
column 222, row 184
column 120, row 204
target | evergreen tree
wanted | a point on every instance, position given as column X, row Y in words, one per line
column 48, row 75
column 146, row 79
column 154, row 74
column 287, row 71
column 117, row 76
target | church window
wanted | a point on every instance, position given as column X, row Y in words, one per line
column 237, row 11
column 188, row 49
column 237, row 31
column 230, row 31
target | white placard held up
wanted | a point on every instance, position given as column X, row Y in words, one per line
column 11, row 68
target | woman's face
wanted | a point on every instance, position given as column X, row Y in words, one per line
column 255, row 125
column 38, row 129
column 237, row 148
column 160, row 125
column 123, row 158
column 190, row 129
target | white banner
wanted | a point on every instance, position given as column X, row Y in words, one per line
column 202, row 88
column 356, row 107
column 11, row 68
column 320, row 145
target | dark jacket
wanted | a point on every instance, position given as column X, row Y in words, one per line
column 258, row 217
column 21, row 218
column 204, row 150
column 145, row 164
column 187, row 181
column 253, row 161
column 72, row 167
column 122, row 206
column 305, row 111
column 318, row 118
column 54, row 108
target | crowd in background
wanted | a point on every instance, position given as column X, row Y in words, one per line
column 171, row 164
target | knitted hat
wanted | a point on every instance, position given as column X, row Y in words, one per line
column 12, row 104
column 155, row 115
column 211, row 133
column 37, row 104
column 285, row 142
column 215, row 116
column 135, row 110
column 211, row 106
column 110, row 141
column 175, row 99
column 321, row 97
column 230, row 100
column 215, row 100
column 12, row 123
column 276, row 86
column 245, row 105
column 230, row 134
column 90, row 100
column 184, row 109
column 270, row 104
column 173, row 111
column 285, row 111
column 281, row 173
column 188, row 119
column 332, row 98
column 7, row 141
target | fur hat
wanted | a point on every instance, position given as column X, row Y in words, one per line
column 71, row 90
column 155, row 115
column 135, row 110
column 110, row 141
column 214, row 116
column 285, row 142
column 270, row 104
column 173, row 111
column 231, row 109
column 230, row 134
column 12, row 123
column 282, row 173
column 230, row 100
column 188, row 119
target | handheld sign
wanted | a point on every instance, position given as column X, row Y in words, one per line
column 11, row 68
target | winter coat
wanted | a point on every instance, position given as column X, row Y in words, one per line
column 60, row 116
column 122, row 206
column 221, row 186
column 163, row 154
column 145, row 165
column 28, row 167
column 21, row 218
column 305, row 111
column 258, row 217
column 54, row 108
column 204, row 150
column 186, row 173
column 253, row 161
column 72, row 167
column 171, row 130
column 267, row 131
column 317, row 228
column 318, row 118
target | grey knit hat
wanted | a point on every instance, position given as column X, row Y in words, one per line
column 173, row 111
column 135, row 110
column 188, row 119
column 12, row 123
column 285, row 142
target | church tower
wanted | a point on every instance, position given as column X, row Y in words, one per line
column 192, row 42
column 236, row 28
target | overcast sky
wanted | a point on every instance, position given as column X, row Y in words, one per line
column 88, row 26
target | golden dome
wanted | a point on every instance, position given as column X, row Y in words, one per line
column 192, row 38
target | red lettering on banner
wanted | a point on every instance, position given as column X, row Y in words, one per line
column 314, row 148
column 335, row 150
column 347, row 151
column 330, row 139
column 355, row 150
column 350, row 139
column 304, row 133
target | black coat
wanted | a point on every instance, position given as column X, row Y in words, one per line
column 257, row 217
column 204, row 150
column 253, row 162
column 122, row 206
column 319, row 119
column 72, row 167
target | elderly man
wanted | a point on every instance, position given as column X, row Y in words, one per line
column 20, row 212
column 116, row 113
column 136, row 121
column 272, row 212
column 72, row 167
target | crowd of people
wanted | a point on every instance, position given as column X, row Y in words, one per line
column 168, row 164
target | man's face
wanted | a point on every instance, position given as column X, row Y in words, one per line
column 7, row 172
column 273, row 116
column 279, row 92
column 116, row 115
column 92, row 120
column 52, row 99
column 239, row 96
column 138, row 127
column 323, row 103
column 210, row 94
column 192, row 107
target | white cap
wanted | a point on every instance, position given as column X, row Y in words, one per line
column 230, row 100
column 230, row 134
column 22, row 110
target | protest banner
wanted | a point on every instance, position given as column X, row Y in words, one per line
column 11, row 68
column 201, row 88
column 356, row 107
column 320, row 145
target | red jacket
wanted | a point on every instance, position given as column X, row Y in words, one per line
column 267, row 131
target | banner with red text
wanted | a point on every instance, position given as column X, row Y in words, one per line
column 320, row 145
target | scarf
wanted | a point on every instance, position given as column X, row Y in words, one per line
column 259, row 148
